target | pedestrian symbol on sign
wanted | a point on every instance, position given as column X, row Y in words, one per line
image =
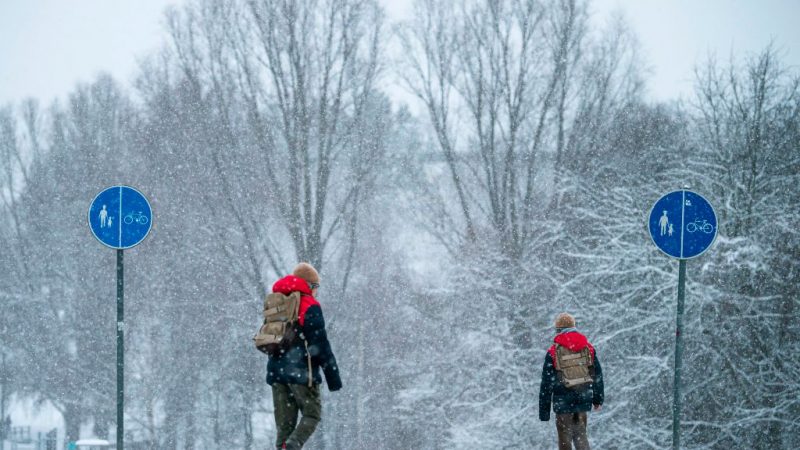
column 104, row 219
column 664, row 223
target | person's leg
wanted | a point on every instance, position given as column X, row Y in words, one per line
column 285, row 406
column 564, row 429
column 310, row 405
column 579, row 431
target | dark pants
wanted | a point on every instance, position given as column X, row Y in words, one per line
column 572, row 428
column 288, row 400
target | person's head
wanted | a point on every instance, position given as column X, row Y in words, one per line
column 307, row 272
column 564, row 321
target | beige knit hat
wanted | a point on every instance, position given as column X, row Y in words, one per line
column 307, row 272
column 565, row 320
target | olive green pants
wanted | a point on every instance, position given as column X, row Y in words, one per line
column 288, row 400
column 571, row 429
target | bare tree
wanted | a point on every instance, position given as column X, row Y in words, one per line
column 284, row 126
column 510, row 89
column 487, row 61
column 748, row 159
column 292, row 81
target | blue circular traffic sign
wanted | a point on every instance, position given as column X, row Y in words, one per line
column 120, row 217
column 683, row 224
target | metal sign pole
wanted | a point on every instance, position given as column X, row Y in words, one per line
column 676, row 401
column 683, row 225
column 120, row 217
column 120, row 349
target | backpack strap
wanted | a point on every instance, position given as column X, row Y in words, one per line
column 556, row 356
column 297, row 309
column 305, row 342
column 310, row 373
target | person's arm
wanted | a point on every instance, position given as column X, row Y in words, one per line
column 546, row 388
column 598, row 395
column 319, row 348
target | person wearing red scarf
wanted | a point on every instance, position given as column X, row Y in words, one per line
column 571, row 405
column 294, row 374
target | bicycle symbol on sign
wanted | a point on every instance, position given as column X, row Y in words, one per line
column 700, row 225
column 137, row 217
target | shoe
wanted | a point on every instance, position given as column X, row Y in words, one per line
column 292, row 445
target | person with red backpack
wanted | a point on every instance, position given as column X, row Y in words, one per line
column 572, row 382
column 293, row 372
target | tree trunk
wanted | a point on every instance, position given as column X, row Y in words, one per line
column 72, row 422
column 248, row 428
column 101, row 426
column 191, row 431
column 171, row 433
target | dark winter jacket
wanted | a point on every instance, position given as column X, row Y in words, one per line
column 291, row 366
column 552, row 391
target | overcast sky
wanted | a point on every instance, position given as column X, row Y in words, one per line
column 46, row 46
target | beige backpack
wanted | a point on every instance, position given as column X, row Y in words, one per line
column 574, row 368
column 278, row 330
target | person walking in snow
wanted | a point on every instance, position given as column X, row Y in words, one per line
column 288, row 372
column 572, row 382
